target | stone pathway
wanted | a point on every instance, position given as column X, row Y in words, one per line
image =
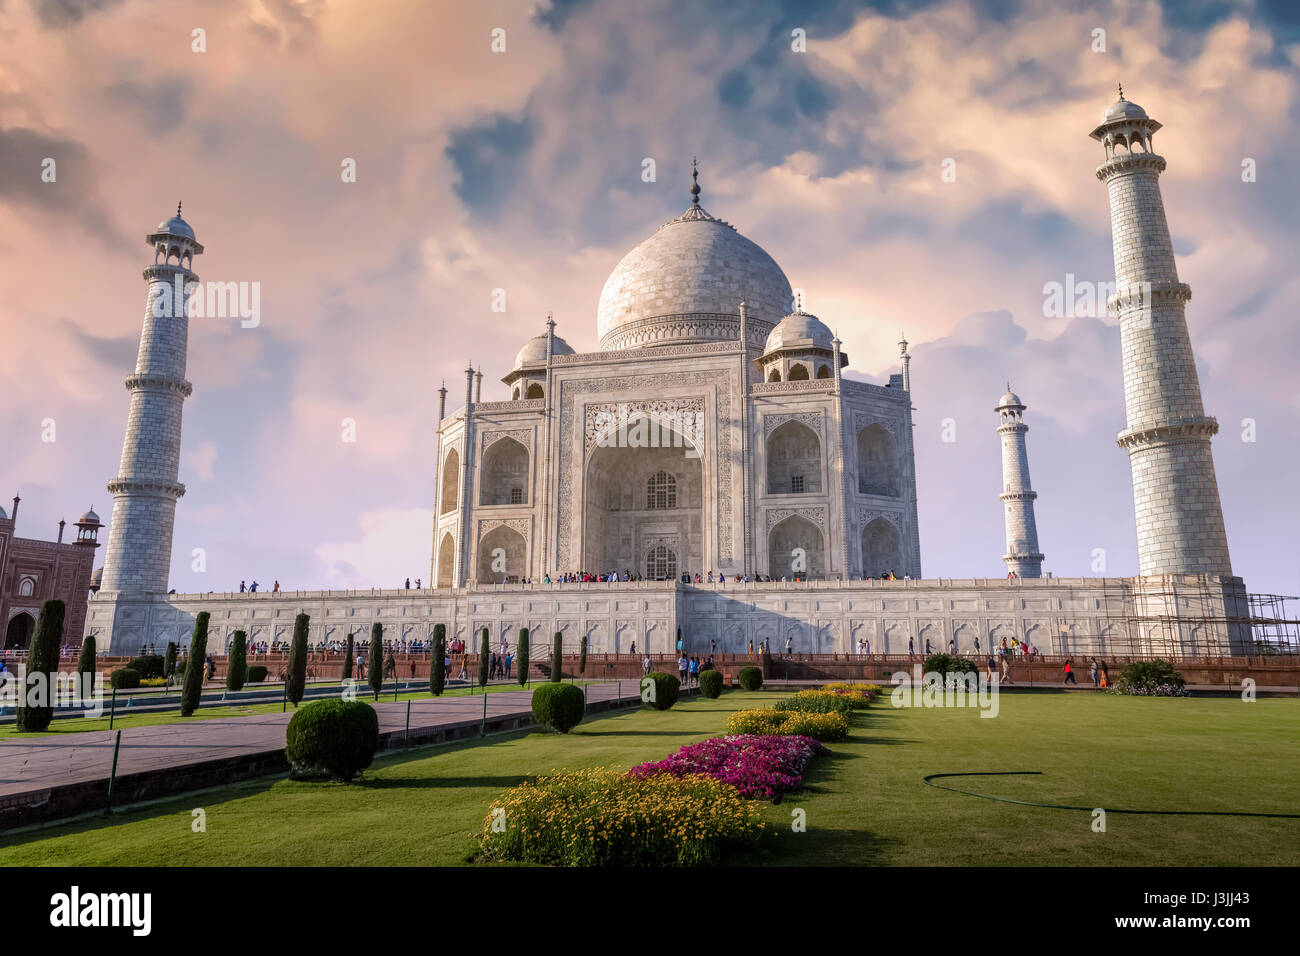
column 34, row 764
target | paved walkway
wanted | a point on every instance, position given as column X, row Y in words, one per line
column 34, row 764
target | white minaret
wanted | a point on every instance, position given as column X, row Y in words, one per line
column 145, row 489
column 1175, row 495
column 1023, row 556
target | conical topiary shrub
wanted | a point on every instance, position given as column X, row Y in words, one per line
column 582, row 655
column 438, row 661
column 348, row 654
column 484, row 653
column 376, row 665
column 86, row 669
column 192, row 693
column 297, row 676
column 557, row 658
column 169, row 660
column 521, row 656
column 36, row 708
column 237, row 661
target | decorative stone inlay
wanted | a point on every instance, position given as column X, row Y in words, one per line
column 867, row 515
column 521, row 435
column 516, row 405
column 812, row 419
column 816, row 515
column 863, row 420
column 683, row 413
column 826, row 385
column 522, row 525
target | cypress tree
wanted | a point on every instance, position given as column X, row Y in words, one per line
column 347, row 658
column 376, row 665
column 192, row 692
column 169, row 660
column 86, row 669
column 582, row 655
column 297, row 676
column 557, row 658
column 237, row 661
column 521, row 656
column 42, row 665
column 485, row 651
column 438, row 663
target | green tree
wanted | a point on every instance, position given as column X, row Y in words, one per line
column 347, row 657
column 169, row 660
column 484, row 653
column 39, row 682
column 582, row 655
column 86, row 669
column 521, row 656
column 376, row 665
column 192, row 692
column 297, row 676
column 557, row 658
column 438, row 661
column 237, row 661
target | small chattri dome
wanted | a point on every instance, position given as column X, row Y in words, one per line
column 1123, row 109
column 1010, row 399
column 89, row 518
column 534, row 349
column 799, row 330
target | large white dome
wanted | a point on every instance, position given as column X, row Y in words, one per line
column 684, row 284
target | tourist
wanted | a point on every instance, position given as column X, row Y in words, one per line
column 1092, row 672
column 977, row 645
column 911, row 648
column 927, row 647
column 683, row 666
column 408, row 584
column 417, row 584
column 646, row 664
column 1069, row 671
column 632, row 650
column 1105, row 677
column 789, row 644
column 988, row 669
column 361, row 666
column 242, row 587
column 695, row 670
column 253, row 586
column 276, row 588
column 390, row 666
column 952, row 647
column 510, row 660
column 1006, row 670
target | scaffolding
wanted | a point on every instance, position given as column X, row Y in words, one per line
column 1189, row 616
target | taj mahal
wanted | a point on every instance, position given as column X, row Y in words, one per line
column 712, row 472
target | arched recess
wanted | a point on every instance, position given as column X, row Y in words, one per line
column 502, row 556
column 774, row 375
column 642, row 486
column 19, row 632
column 450, row 481
column 798, row 373
column 534, row 391
column 824, row 371
column 505, row 474
column 881, row 551
column 794, row 460
column 446, row 561
column 877, row 463
column 796, row 549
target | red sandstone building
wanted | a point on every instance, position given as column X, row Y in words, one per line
column 33, row 572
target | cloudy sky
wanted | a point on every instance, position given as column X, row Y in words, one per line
column 522, row 170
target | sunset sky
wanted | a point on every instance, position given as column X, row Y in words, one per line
column 522, row 170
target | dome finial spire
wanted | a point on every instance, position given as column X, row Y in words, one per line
column 695, row 181
column 178, row 209
column 1121, row 90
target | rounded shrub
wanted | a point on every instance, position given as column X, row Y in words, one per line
column 148, row 665
column 558, row 706
column 124, row 678
column 946, row 664
column 337, row 737
column 751, row 678
column 711, row 683
column 660, row 690
column 256, row 673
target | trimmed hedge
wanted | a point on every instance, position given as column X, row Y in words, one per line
column 124, row 678
column 256, row 673
column 711, row 683
column 559, row 706
column 1151, row 678
column 148, row 665
column 338, row 737
column 751, row 678
column 946, row 664
column 660, row 690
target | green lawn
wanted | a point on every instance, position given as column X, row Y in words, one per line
column 125, row 718
column 865, row 804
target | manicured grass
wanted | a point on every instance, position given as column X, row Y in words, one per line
column 865, row 804
column 125, row 718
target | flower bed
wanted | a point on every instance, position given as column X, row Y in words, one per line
column 599, row 817
column 866, row 692
column 785, row 723
column 757, row 766
column 822, row 702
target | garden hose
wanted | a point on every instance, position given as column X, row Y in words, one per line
column 1061, row 806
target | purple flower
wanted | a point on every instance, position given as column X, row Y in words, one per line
column 757, row 766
